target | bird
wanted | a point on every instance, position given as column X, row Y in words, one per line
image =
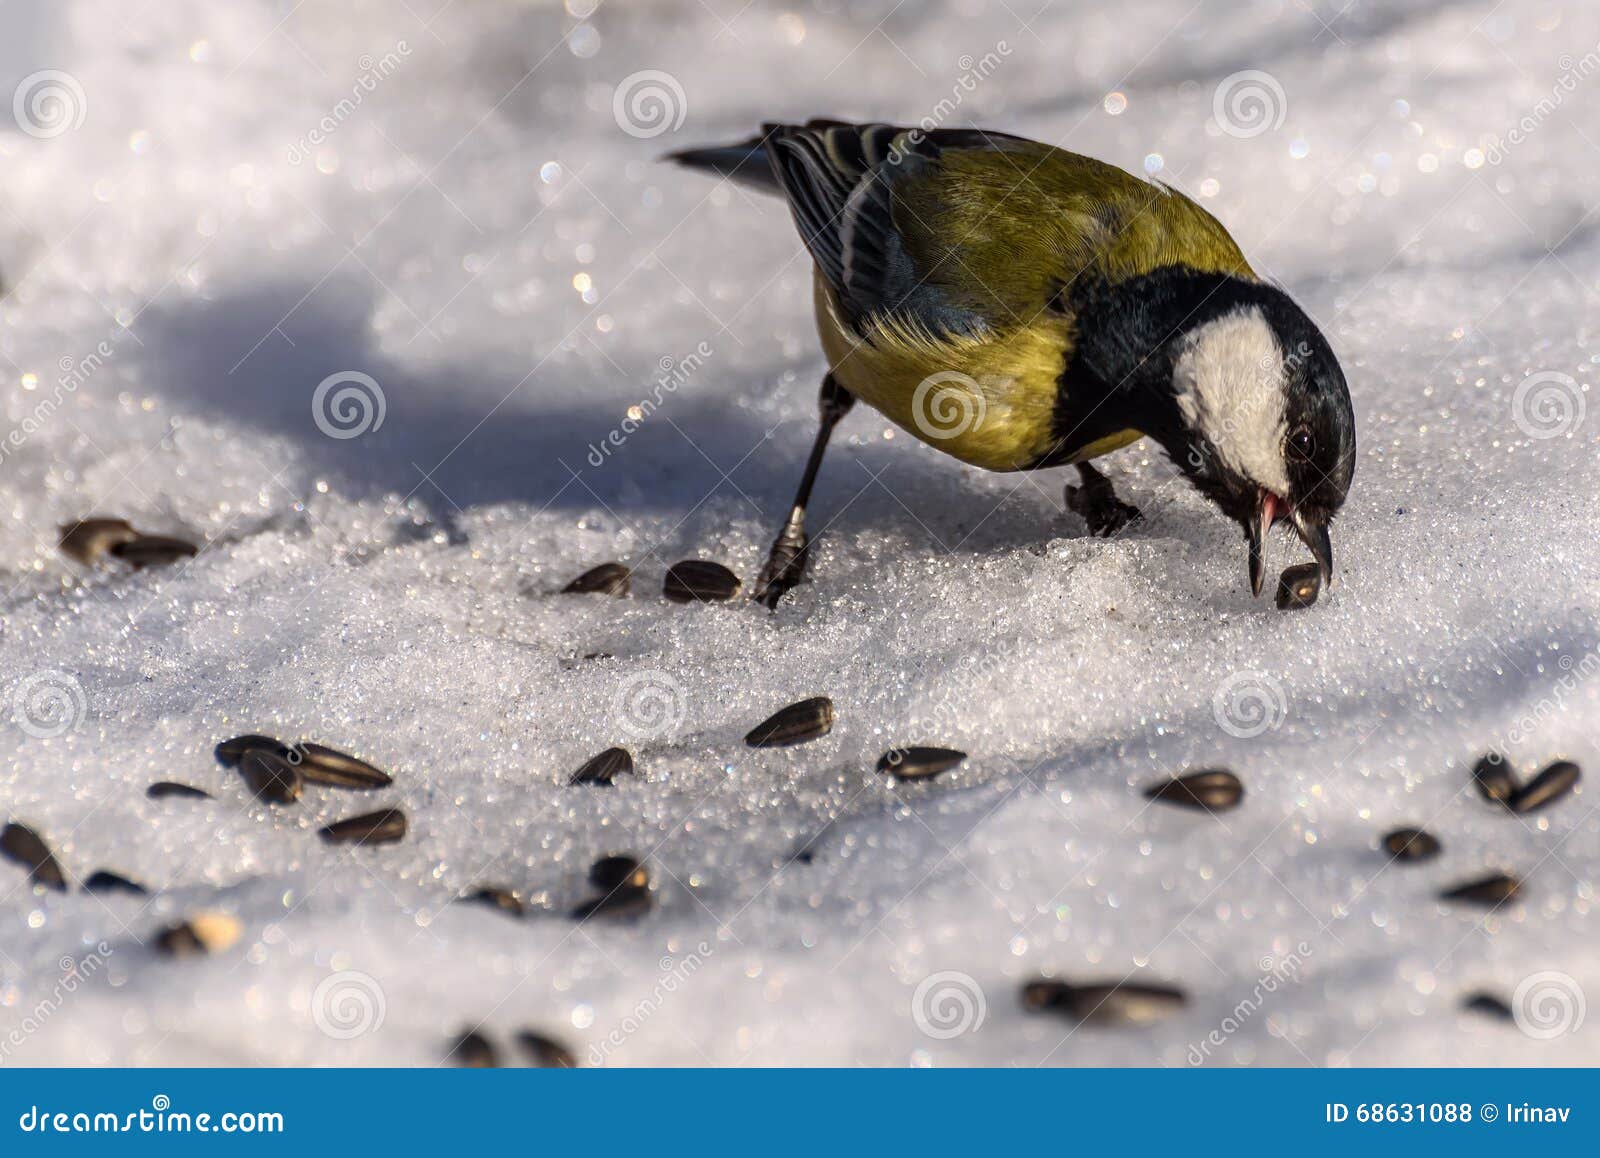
column 1018, row 307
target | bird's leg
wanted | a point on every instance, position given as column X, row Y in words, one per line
column 1096, row 500
column 787, row 561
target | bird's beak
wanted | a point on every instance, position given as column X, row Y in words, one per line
column 1315, row 536
column 1255, row 532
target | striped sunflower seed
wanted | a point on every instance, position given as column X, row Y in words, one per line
column 89, row 539
column 230, row 752
column 603, row 768
column 271, row 777
column 545, row 1052
column 807, row 720
column 473, row 1051
column 323, row 765
column 1551, row 784
column 1411, row 844
column 1104, row 1004
column 1299, row 587
column 105, row 881
column 153, row 551
column 202, row 933
column 919, row 763
column 622, row 904
column 1489, row 890
column 1487, row 1004
column 165, row 789
column 21, row 844
column 700, row 581
column 373, row 828
column 606, row 579
column 1213, row 790
column 618, row 872
column 497, row 898
column 1494, row 777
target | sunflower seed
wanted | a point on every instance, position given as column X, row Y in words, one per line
column 1103, row 1004
column 1489, row 890
column 807, row 720
column 1214, row 790
column 373, row 828
column 153, row 551
column 1487, row 1004
column 230, row 752
column 606, row 579
column 546, row 1052
column 1494, row 777
column 603, row 768
column 919, row 763
column 201, row 933
column 1554, row 782
column 322, row 765
column 270, row 776
column 1411, row 844
column 621, row 904
column 163, row 789
column 473, row 1051
column 21, row 844
column 110, row 882
column 700, row 581
column 89, row 539
column 617, row 872
column 1299, row 587
column 497, row 898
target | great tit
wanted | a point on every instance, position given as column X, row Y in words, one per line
column 1018, row 306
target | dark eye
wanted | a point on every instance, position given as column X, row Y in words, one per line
column 1302, row 444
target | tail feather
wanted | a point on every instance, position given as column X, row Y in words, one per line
column 745, row 162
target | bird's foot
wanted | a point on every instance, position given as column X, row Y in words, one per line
column 786, row 564
column 1101, row 509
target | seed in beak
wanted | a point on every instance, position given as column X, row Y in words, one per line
column 1299, row 587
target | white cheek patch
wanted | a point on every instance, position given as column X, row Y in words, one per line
column 1230, row 386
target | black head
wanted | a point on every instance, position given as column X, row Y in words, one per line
column 1267, row 431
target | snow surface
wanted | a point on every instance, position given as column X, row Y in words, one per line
column 479, row 235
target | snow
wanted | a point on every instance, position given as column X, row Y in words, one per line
column 471, row 228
